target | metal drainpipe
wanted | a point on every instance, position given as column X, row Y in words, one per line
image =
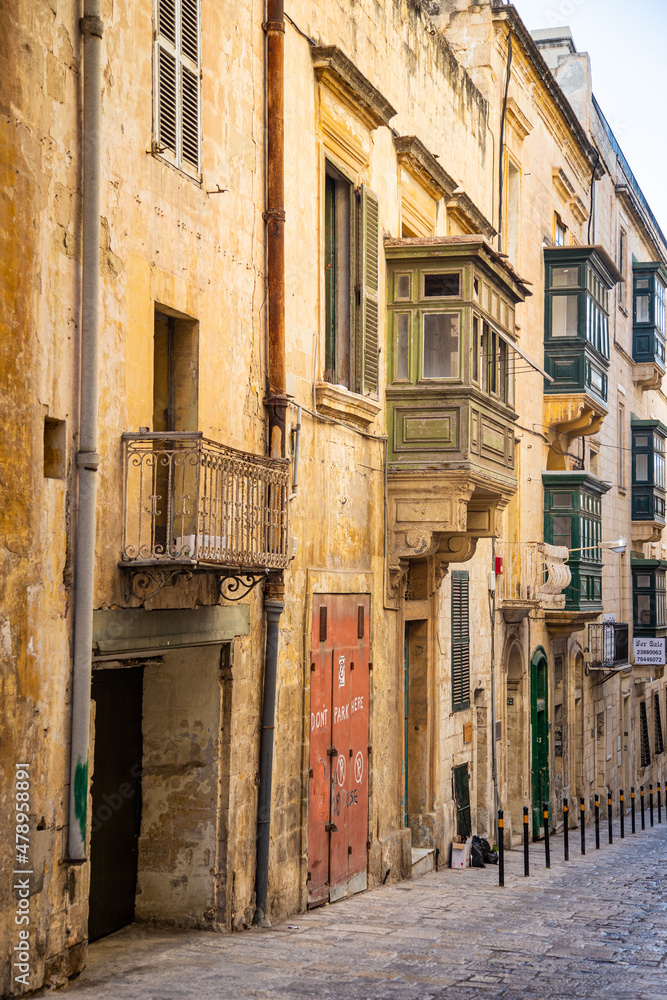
column 87, row 459
column 276, row 402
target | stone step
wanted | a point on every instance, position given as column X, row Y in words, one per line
column 423, row 860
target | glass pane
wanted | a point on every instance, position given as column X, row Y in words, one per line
column 596, row 380
column 565, row 277
column 402, row 345
column 642, row 282
column 644, row 609
column 641, row 441
column 475, row 348
column 659, row 470
column 564, row 312
column 402, row 286
column 562, row 531
column 642, row 303
column 641, row 468
column 562, row 500
column 643, row 580
column 660, row 306
column 441, row 284
column 441, row 345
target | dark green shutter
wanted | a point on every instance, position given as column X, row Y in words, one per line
column 369, row 262
column 460, row 641
column 645, row 747
column 657, row 724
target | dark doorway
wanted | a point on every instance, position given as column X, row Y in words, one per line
column 462, row 800
column 539, row 700
column 116, row 792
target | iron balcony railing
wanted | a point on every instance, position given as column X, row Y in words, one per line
column 532, row 571
column 189, row 501
column 608, row 645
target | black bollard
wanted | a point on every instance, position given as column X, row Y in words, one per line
column 641, row 803
column 582, row 824
column 659, row 805
column 650, row 802
column 501, row 848
column 566, row 816
column 622, row 811
column 547, row 856
column 611, row 835
column 632, row 807
column 597, row 822
column 526, row 862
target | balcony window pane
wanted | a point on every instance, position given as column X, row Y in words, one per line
column 475, row 349
column 562, row 531
column 660, row 306
column 441, row 345
column 641, row 441
column 660, row 600
column 644, row 609
column 564, row 314
column 562, row 500
column 641, row 468
column 402, row 344
column 643, row 581
column 565, row 277
column 642, row 309
column 402, row 286
column 439, row 285
column 643, row 283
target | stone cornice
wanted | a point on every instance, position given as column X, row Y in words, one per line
column 423, row 166
column 334, row 68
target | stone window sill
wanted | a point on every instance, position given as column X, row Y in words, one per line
column 339, row 403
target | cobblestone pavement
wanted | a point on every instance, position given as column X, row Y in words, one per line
column 595, row 927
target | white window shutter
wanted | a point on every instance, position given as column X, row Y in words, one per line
column 178, row 81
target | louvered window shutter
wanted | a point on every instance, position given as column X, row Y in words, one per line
column 644, row 743
column 369, row 280
column 177, row 60
column 460, row 641
column 657, row 723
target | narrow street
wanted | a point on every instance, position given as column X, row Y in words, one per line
column 595, row 927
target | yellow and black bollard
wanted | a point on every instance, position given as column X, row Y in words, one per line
column 582, row 825
column 641, row 803
column 566, row 817
column 622, row 812
column 547, row 855
column 650, row 802
column 611, row 835
column 632, row 808
column 597, row 822
column 501, row 848
column 526, row 861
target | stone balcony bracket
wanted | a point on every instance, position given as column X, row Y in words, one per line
column 647, row 375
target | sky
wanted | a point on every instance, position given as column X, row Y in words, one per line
column 627, row 44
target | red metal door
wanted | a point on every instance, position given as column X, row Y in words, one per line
column 338, row 799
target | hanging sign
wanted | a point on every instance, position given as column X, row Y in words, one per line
column 649, row 651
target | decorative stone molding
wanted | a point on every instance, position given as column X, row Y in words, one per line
column 563, row 184
column 645, row 531
column 579, row 210
column 647, row 375
column 339, row 403
column 423, row 166
column 333, row 68
column 517, row 121
column 465, row 213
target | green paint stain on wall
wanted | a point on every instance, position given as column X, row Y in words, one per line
column 81, row 795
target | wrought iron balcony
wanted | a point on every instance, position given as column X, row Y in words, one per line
column 607, row 645
column 534, row 574
column 193, row 504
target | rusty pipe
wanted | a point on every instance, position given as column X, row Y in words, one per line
column 275, row 225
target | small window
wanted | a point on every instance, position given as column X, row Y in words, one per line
column 441, row 285
column 560, row 231
column 441, row 345
column 565, row 315
column 177, row 82
column 562, row 531
column 475, row 349
column 403, row 283
column 562, row 500
column 643, row 580
column 565, row 277
column 402, row 321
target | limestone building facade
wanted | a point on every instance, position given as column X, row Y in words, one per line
column 328, row 363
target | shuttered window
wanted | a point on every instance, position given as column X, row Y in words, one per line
column 178, row 82
column 351, row 284
column 460, row 641
column 657, row 724
column 644, row 743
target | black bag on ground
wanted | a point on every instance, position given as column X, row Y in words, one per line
column 477, row 853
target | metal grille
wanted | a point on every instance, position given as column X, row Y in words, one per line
column 645, row 748
column 608, row 644
column 657, row 725
column 190, row 501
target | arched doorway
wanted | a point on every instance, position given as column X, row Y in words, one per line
column 578, row 742
column 516, row 749
column 539, row 712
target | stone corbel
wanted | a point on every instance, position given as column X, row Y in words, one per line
column 646, row 531
column 456, row 548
